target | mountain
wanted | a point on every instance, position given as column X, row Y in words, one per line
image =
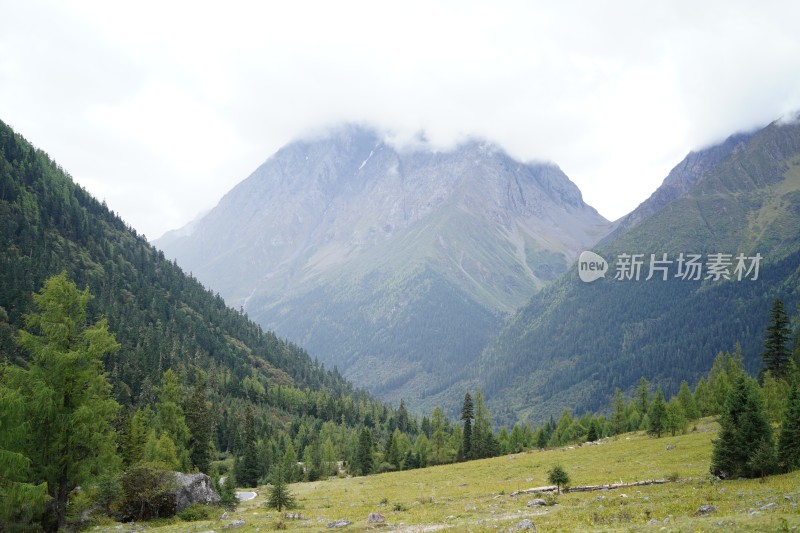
column 162, row 317
column 397, row 266
column 575, row 341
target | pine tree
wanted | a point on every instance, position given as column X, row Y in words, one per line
column 66, row 392
column 657, row 414
column 745, row 437
column 558, row 477
column 687, row 402
column 249, row 468
column 643, row 396
column 619, row 422
column 198, row 420
column 789, row 440
column 438, row 426
column 776, row 354
column 170, row 418
column 363, row 458
column 279, row 496
column 674, row 417
column 467, row 414
column 136, row 439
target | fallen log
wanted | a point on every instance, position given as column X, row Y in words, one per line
column 587, row 488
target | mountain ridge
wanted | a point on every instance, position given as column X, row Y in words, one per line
column 347, row 218
column 573, row 339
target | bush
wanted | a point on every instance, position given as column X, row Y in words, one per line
column 148, row 491
column 197, row 511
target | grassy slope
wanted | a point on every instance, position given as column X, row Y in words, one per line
column 476, row 496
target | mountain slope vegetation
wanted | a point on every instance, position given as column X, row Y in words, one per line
column 574, row 340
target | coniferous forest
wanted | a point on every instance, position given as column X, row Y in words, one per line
column 116, row 367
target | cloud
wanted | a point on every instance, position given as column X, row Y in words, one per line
column 162, row 108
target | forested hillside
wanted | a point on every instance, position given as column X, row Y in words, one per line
column 180, row 348
column 575, row 341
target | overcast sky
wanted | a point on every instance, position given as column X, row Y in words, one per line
column 161, row 107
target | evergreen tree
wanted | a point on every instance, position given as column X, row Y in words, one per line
column 776, row 354
column 227, row 492
column 619, row 422
column 21, row 500
column 136, row 439
column 657, row 414
column 674, row 417
column 702, row 398
column 363, row 459
column 280, row 497
column 789, row 440
column 745, row 436
column 170, row 418
column 198, row 420
column 249, row 471
column 558, row 477
column 594, row 431
column 687, row 402
column 72, row 441
column 438, row 436
column 484, row 443
column 643, row 396
column 467, row 414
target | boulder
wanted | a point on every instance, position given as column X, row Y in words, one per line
column 194, row 488
column 376, row 518
column 525, row 525
column 537, row 502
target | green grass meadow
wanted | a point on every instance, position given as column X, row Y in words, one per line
column 477, row 496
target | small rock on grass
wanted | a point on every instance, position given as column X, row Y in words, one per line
column 339, row 523
column 525, row 525
column 705, row 509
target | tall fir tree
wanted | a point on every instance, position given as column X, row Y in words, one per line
column 789, row 440
column 776, row 354
column 467, row 414
column 280, row 497
column 363, row 457
column 249, row 468
column 643, row 396
column 66, row 392
column 657, row 414
column 619, row 422
column 198, row 420
column 745, row 435
column 171, row 419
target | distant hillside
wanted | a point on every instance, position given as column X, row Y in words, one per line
column 162, row 317
column 396, row 266
column 574, row 342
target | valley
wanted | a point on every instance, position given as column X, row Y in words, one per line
column 477, row 496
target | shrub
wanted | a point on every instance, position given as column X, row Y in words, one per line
column 148, row 491
column 197, row 511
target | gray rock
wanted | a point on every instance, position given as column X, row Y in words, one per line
column 339, row 523
column 536, row 502
column 768, row 507
column 376, row 518
column 194, row 488
column 235, row 523
column 525, row 525
column 705, row 509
